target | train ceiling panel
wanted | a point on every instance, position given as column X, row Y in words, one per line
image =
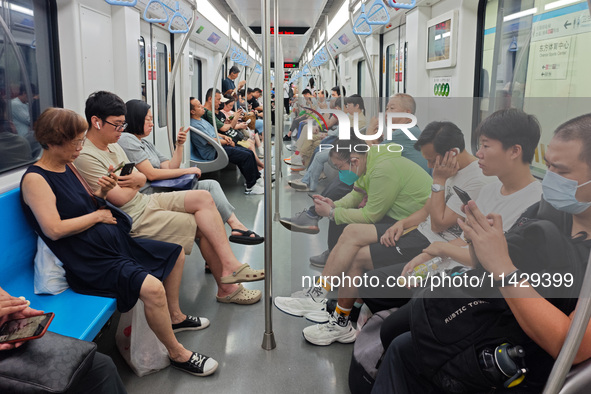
column 292, row 14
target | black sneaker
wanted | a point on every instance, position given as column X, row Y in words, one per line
column 191, row 323
column 286, row 138
column 198, row 365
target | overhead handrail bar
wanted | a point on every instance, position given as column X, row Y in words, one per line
column 175, row 69
column 334, row 64
column 576, row 331
column 123, row 3
column 269, row 336
column 366, row 55
column 404, row 6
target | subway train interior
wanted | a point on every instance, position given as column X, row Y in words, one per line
column 283, row 66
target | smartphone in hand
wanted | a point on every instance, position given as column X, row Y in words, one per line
column 25, row 329
column 119, row 166
column 127, row 169
column 465, row 197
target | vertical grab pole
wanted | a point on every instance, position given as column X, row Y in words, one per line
column 278, row 106
column 575, row 334
column 175, row 69
column 269, row 336
column 334, row 64
column 374, row 85
column 217, row 76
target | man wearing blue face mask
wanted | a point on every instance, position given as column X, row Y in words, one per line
column 545, row 319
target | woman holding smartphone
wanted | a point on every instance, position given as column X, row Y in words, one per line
column 99, row 256
column 156, row 166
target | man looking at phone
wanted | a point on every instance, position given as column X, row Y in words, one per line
column 102, row 376
column 175, row 217
column 228, row 85
column 363, row 247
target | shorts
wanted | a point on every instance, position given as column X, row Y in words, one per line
column 408, row 247
column 165, row 219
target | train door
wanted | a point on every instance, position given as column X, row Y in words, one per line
column 395, row 67
column 195, row 73
column 158, row 67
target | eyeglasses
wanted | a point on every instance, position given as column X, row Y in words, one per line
column 78, row 143
column 118, row 127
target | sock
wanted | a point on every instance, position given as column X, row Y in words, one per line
column 326, row 286
column 342, row 311
column 358, row 304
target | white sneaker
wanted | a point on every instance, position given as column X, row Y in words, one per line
column 255, row 190
column 296, row 160
column 338, row 329
column 315, row 293
column 307, row 307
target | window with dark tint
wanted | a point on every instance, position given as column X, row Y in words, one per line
column 26, row 78
column 142, row 53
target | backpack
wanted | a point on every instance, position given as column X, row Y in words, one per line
column 367, row 354
column 452, row 325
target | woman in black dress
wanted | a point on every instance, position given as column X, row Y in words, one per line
column 99, row 256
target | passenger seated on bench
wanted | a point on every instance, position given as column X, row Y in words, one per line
column 228, row 128
column 101, row 378
column 180, row 217
column 99, row 256
column 567, row 188
column 359, row 249
column 243, row 158
column 149, row 161
column 387, row 188
column 226, row 114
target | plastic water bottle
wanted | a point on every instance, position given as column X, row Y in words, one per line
column 430, row 268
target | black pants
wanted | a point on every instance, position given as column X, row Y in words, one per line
column 102, row 378
column 246, row 162
column 286, row 105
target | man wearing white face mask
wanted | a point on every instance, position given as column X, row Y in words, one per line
column 546, row 321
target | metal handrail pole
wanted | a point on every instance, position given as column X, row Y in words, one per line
column 278, row 108
column 217, row 76
column 269, row 336
column 374, row 85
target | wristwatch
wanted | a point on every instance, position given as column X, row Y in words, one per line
column 436, row 187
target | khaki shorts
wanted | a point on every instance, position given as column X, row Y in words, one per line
column 165, row 219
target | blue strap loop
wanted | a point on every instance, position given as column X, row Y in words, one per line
column 361, row 27
column 178, row 15
column 404, row 6
column 123, row 3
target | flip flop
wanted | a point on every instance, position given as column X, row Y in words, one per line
column 243, row 274
column 245, row 238
column 241, row 296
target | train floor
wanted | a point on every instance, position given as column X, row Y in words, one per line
column 235, row 336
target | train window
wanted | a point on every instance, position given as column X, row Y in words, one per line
column 360, row 77
column 196, row 81
column 391, row 70
column 26, row 78
column 535, row 57
column 162, row 81
column 142, row 53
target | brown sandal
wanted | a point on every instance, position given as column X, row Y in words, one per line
column 243, row 274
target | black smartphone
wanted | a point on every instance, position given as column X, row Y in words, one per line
column 25, row 329
column 465, row 197
column 311, row 196
column 127, row 169
column 119, row 166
